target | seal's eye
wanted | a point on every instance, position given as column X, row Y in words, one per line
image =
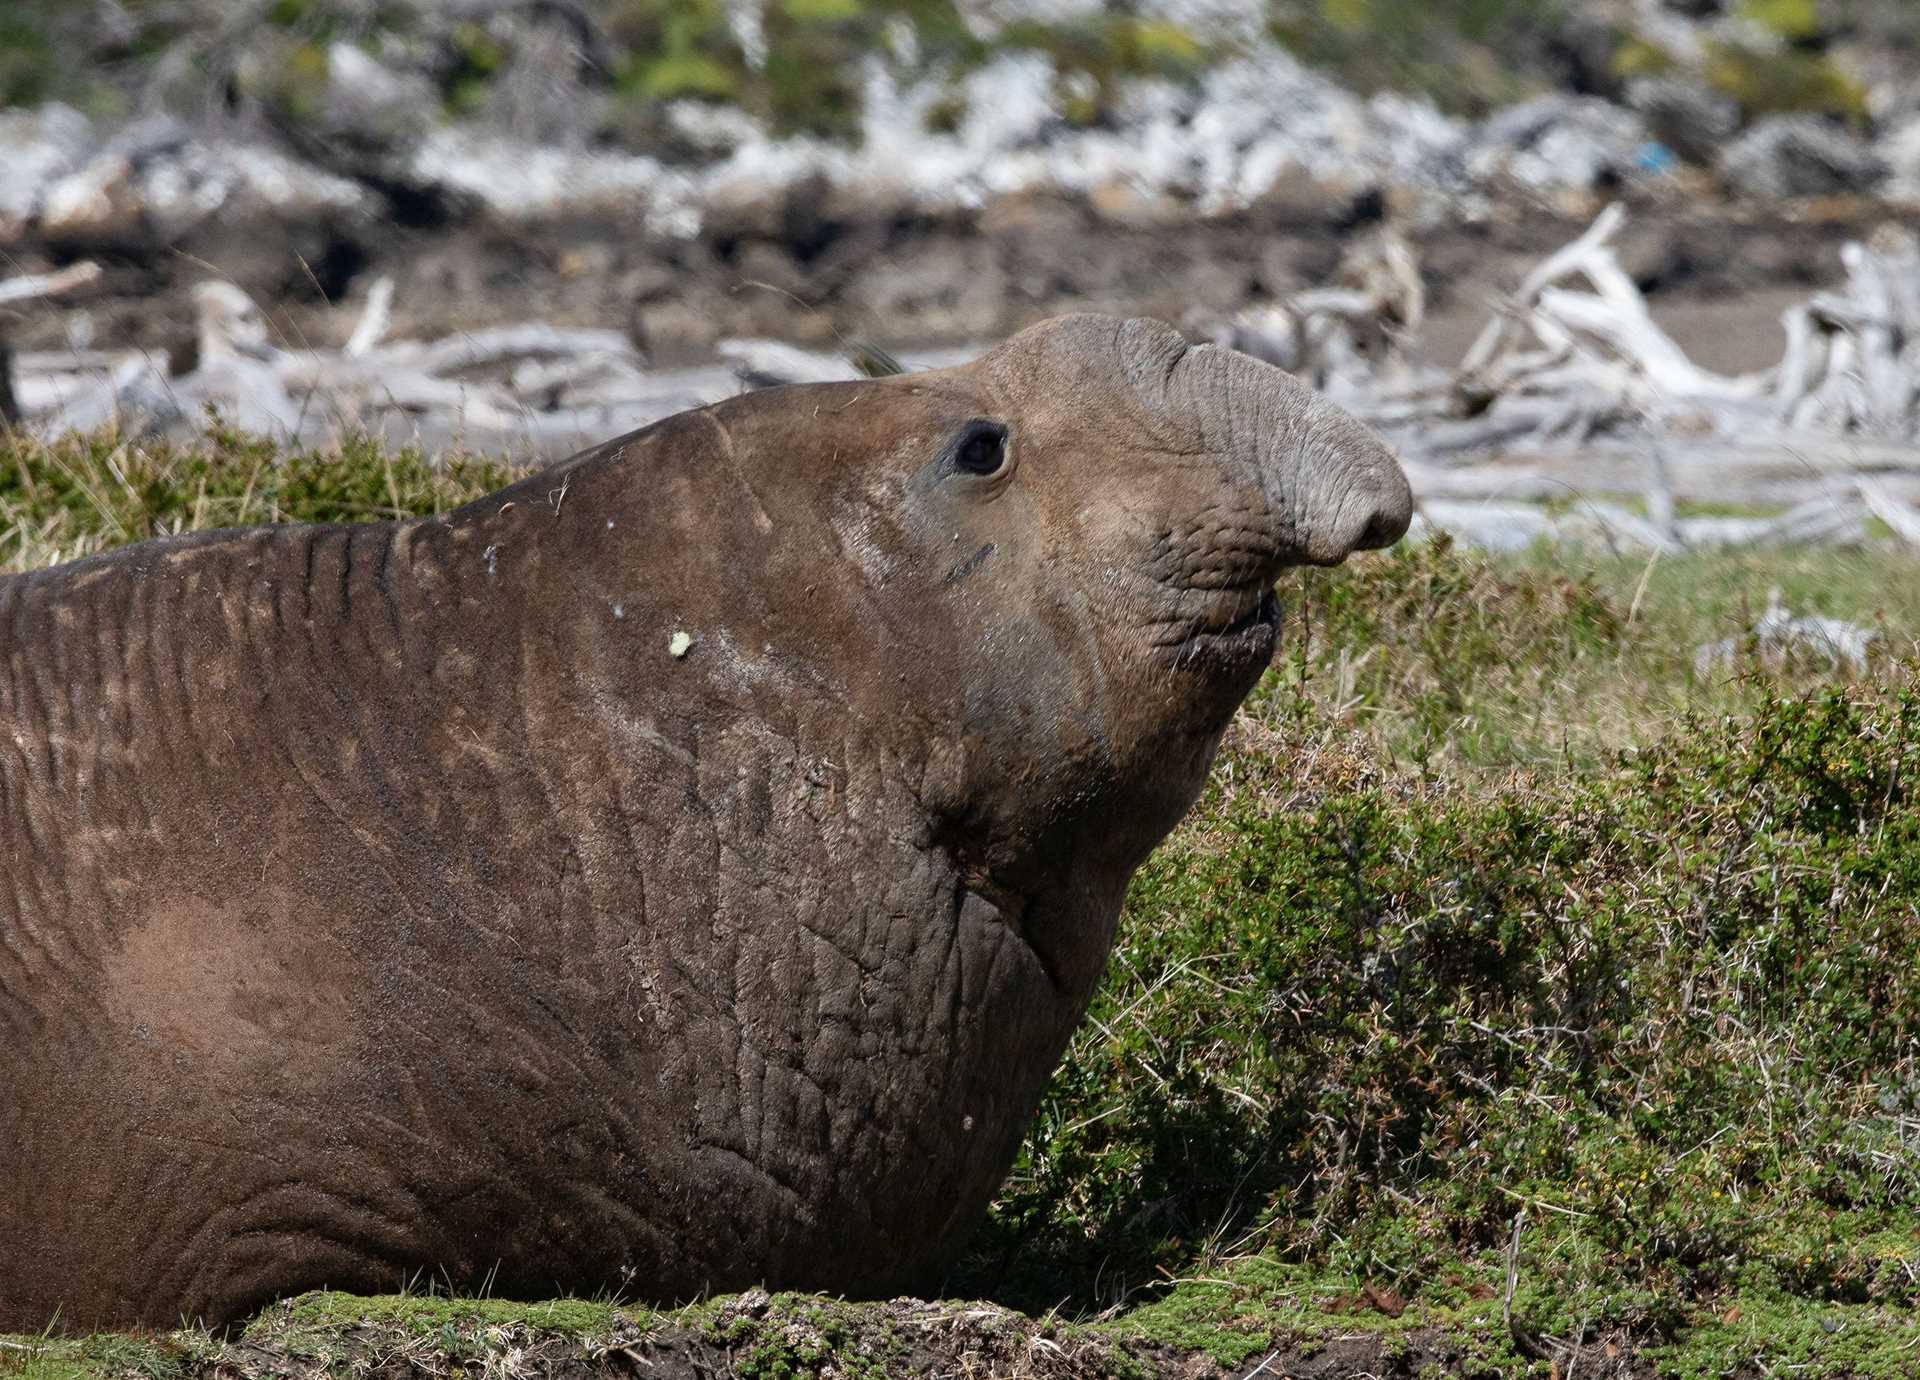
column 981, row 449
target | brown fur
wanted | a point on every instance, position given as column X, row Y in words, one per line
column 390, row 899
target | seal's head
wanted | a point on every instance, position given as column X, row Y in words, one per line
column 1106, row 510
column 1158, row 488
column 1050, row 570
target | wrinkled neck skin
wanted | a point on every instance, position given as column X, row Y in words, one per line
column 1011, row 764
column 894, row 868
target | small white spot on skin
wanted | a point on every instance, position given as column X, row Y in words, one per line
column 619, row 610
column 966, row 1123
column 680, row 644
column 609, row 524
column 492, row 557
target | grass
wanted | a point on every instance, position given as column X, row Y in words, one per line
column 1445, row 659
column 81, row 495
column 1359, row 1019
column 1498, row 938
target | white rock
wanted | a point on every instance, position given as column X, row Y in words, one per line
column 1901, row 150
column 1556, row 142
column 1799, row 155
column 37, row 148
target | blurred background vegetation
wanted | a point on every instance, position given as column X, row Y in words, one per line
column 797, row 64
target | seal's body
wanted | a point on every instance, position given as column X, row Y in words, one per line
column 680, row 870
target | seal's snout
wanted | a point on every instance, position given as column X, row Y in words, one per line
column 1329, row 484
column 1371, row 503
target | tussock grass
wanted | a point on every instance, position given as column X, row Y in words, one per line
column 79, row 495
column 1493, row 912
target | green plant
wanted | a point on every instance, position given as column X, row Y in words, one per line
column 1467, row 55
column 1359, row 1021
column 1785, row 82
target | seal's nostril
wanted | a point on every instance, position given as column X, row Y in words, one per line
column 1383, row 529
column 1391, row 513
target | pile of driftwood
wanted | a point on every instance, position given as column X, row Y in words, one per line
column 1573, row 392
column 536, row 389
column 1573, row 416
column 532, row 390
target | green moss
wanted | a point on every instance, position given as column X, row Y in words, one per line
column 477, row 59
column 794, row 1336
column 677, row 49
column 1237, row 1314
column 686, row 74
column 1469, row 56
column 287, row 14
column 946, row 115
column 1093, row 57
column 809, row 87
column 424, row 1315
column 1791, row 19
column 1784, row 1335
column 1784, row 83
column 821, row 11
column 1637, row 57
column 26, row 60
column 810, row 82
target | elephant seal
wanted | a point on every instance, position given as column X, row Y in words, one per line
column 678, row 871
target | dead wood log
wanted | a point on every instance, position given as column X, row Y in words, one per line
column 1777, row 637
column 27, row 288
column 1903, row 518
column 10, row 413
column 30, row 286
column 374, row 319
column 768, row 363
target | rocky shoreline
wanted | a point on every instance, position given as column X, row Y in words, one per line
column 959, row 199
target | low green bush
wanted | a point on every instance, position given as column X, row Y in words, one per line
column 1359, row 1019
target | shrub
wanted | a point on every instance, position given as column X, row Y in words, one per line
column 1358, row 1020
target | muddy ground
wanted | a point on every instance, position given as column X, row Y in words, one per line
column 806, row 270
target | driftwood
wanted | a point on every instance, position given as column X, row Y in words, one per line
column 1572, row 391
column 542, row 387
column 28, row 288
column 1342, row 336
column 1573, row 379
column 766, row 363
column 1778, row 637
column 535, row 388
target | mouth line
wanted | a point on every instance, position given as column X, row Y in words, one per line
column 1265, row 611
column 1249, row 635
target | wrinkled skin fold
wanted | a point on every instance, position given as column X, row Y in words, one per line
column 679, row 871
